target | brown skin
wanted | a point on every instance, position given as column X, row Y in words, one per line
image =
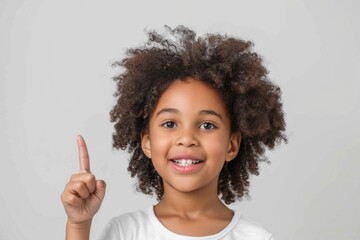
column 253, row 103
column 191, row 120
column 82, row 197
column 229, row 66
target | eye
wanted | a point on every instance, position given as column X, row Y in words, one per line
column 169, row 124
column 207, row 125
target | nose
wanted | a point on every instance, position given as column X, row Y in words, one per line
column 186, row 138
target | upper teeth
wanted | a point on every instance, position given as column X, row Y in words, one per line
column 186, row 162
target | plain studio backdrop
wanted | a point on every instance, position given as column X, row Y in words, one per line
column 55, row 82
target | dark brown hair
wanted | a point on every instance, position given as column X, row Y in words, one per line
column 225, row 63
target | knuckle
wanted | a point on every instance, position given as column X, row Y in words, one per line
column 68, row 187
column 79, row 185
column 90, row 182
column 73, row 177
column 68, row 198
column 63, row 197
column 91, row 177
column 88, row 178
column 72, row 199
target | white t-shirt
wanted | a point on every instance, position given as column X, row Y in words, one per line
column 144, row 225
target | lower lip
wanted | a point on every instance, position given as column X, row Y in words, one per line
column 187, row 169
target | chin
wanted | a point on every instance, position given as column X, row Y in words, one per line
column 188, row 187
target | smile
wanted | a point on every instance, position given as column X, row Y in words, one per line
column 186, row 162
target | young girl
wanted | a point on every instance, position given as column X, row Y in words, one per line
column 196, row 115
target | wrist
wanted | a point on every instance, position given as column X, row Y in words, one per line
column 79, row 225
column 78, row 231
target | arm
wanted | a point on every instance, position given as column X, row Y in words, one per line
column 78, row 231
column 82, row 197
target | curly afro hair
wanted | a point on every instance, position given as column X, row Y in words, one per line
column 225, row 63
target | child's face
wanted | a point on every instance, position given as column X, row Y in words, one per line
column 189, row 136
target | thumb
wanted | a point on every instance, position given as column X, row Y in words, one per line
column 100, row 189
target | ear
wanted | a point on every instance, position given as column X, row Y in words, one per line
column 145, row 143
column 234, row 146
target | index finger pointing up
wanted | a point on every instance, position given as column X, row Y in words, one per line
column 83, row 155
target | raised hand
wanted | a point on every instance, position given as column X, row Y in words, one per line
column 83, row 195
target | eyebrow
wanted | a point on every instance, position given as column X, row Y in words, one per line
column 202, row 112
column 167, row 110
column 211, row 112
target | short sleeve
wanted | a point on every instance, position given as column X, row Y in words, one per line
column 111, row 231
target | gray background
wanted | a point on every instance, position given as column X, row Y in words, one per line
column 55, row 82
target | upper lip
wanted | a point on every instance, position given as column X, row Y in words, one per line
column 185, row 156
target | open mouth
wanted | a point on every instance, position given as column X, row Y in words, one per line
column 186, row 162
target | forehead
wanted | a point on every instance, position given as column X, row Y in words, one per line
column 191, row 95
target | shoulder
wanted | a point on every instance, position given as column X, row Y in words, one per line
column 250, row 230
column 133, row 218
column 126, row 226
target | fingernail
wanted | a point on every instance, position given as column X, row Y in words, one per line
column 102, row 183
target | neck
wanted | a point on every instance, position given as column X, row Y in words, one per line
column 201, row 201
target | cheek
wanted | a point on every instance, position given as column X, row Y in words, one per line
column 159, row 144
column 217, row 147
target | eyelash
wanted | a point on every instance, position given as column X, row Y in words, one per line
column 212, row 126
column 165, row 124
column 202, row 125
